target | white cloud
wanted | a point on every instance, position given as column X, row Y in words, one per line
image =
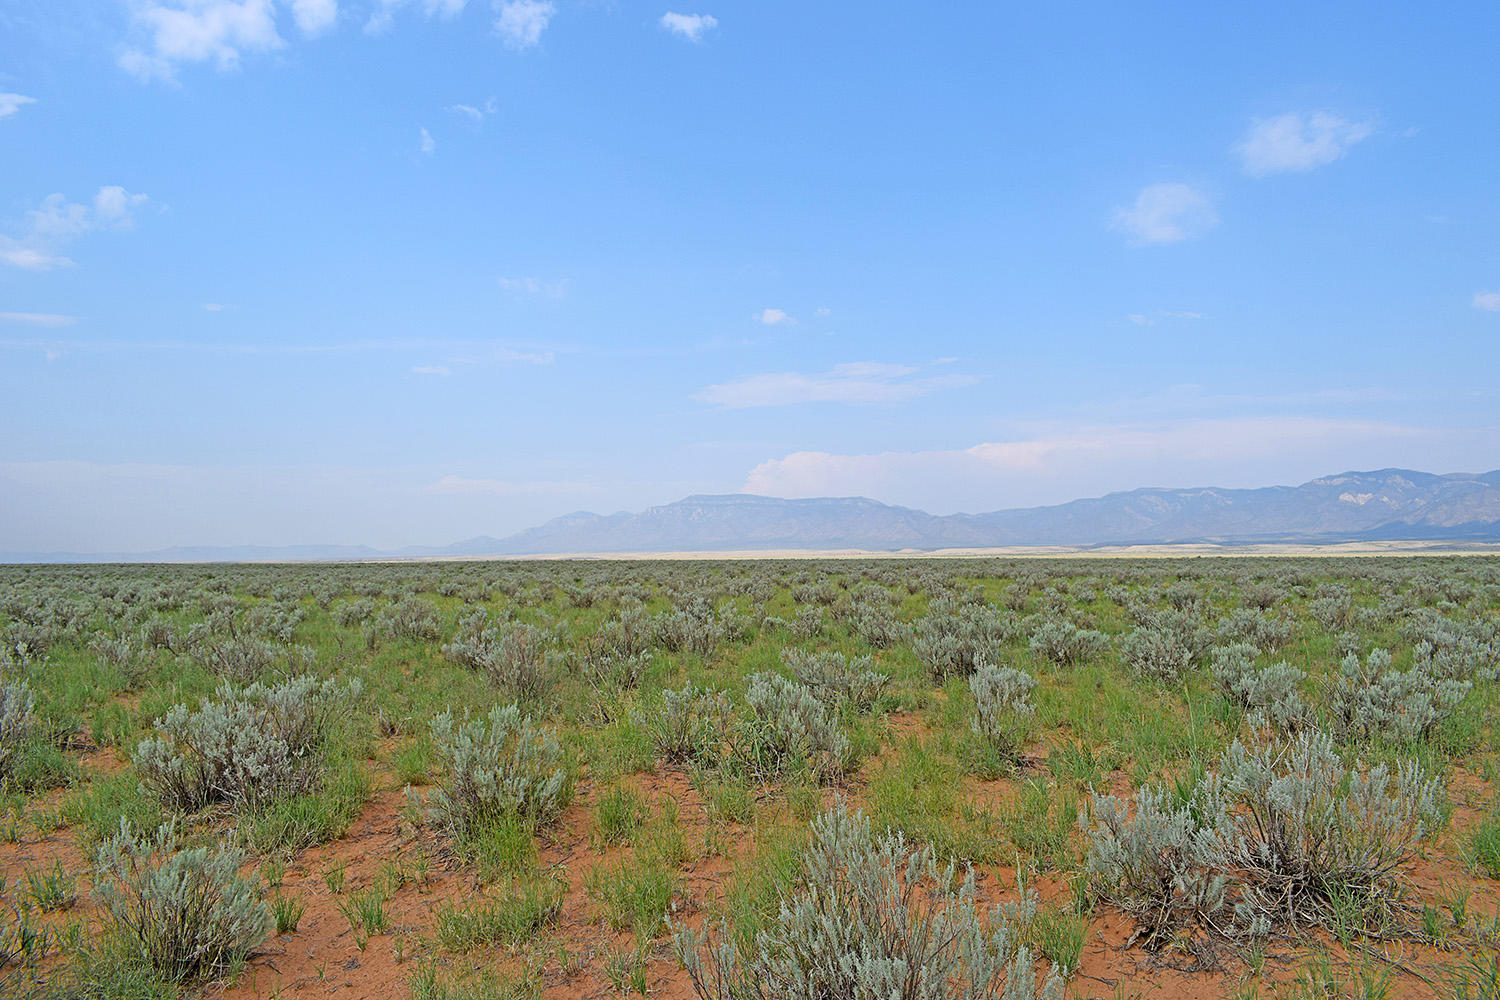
column 775, row 317
column 29, row 258
column 428, row 144
column 822, row 311
column 385, row 10
column 113, row 207
column 1489, row 301
column 58, row 221
column 11, row 103
column 520, row 23
column 1071, row 462
column 1295, row 142
column 314, row 17
column 1145, row 319
column 689, row 26
column 535, row 286
column 432, row 370
column 1166, row 213
column 860, row 382
column 181, row 31
column 38, row 319
column 213, row 307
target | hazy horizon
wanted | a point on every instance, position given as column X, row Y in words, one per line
column 278, row 272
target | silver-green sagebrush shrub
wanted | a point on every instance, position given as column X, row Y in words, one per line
column 1166, row 645
column 688, row 725
column 1161, row 862
column 837, row 679
column 868, row 919
column 1271, row 696
column 408, row 618
column 17, row 723
column 515, row 660
column 186, row 912
column 955, row 634
column 1372, row 700
column 1256, row 627
column 1309, row 830
column 244, row 747
column 1059, row 640
column 787, row 723
column 494, row 768
column 1281, row 835
column 694, row 628
column 1002, row 707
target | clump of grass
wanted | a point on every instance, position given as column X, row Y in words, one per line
column 521, row 910
column 52, row 888
column 620, row 813
column 1482, row 848
column 367, row 913
column 288, row 913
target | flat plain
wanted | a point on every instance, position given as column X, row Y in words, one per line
column 1112, row 775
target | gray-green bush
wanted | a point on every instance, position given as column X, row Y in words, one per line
column 867, row 918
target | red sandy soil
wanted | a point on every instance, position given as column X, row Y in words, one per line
column 323, row 958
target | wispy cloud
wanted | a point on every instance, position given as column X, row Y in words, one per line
column 213, row 307
column 432, row 370
column 1151, row 318
column 427, row 143
column 1069, row 462
column 11, row 103
column 471, row 352
column 1488, row 301
column 37, row 319
column 383, row 15
column 520, row 23
column 476, row 113
column 1297, row 141
column 1166, row 213
column 689, row 26
column 860, row 382
column 462, row 486
column 535, row 286
column 775, row 317
column 58, row 221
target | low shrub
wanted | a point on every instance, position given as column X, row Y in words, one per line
column 1285, row 834
column 186, row 912
column 835, row 678
column 17, row 724
column 689, row 724
column 1064, row 643
column 246, row 748
column 956, row 634
column 1166, row 645
column 865, row 917
column 1271, row 695
column 1002, row 707
column 495, row 768
column 788, row 724
column 1372, row 700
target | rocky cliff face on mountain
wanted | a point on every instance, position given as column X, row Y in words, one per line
column 1388, row 504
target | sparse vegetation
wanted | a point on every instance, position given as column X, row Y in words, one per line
column 480, row 768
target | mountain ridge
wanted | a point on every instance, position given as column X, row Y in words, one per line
column 1379, row 505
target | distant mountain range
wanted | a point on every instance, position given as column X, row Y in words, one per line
column 1390, row 504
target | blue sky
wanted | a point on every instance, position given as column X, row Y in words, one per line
column 363, row 271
